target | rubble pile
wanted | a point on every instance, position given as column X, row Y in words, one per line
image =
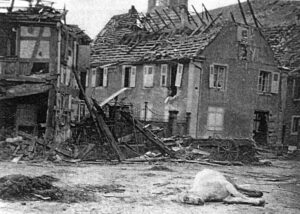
column 16, row 148
column 21, row 187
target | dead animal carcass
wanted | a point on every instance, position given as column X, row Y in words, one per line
column 212, row 186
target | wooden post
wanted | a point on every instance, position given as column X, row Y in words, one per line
column 173, row 128
column 298, row 138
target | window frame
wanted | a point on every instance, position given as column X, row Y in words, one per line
column 216, row 111
column 293, row 132
column 269, row 91
column 295, row 79
column 146, row 73
column 225, row 75
column 131, row 78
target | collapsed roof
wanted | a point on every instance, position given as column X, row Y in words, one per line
column 134, row 37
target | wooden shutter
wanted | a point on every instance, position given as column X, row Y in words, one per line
column 68, row 76
column 87, row 79
column 132, row 76
column 164, row 74
column 148, row 76
column 211, row 76
column 179, row 75
column 93, row 82
column 105, row 75
column 275, row 82
column 123, row 76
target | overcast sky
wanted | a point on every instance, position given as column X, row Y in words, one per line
column 92, row 15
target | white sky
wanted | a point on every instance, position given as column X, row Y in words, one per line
column 92, row 15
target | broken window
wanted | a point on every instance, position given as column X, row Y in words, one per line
column 296, row 88
column 264, row 81
column 40, row 68
column 128, row 76
column 217, row 77
column 7, row 41
column 215, row 119
column 175, row 79
column 148, row 76
column 164, row 75
column 295, row 124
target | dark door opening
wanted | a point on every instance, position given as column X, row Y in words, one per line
column 172, row 87
column 260, row 131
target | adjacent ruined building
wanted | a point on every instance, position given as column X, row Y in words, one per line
column 38, row 54
column 198, row 74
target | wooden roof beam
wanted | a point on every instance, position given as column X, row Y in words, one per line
column 169, row 18
column 161, row 18
column 199, row 17
column 242, row 12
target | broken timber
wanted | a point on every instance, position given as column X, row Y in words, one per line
column 101, row 126
column 148, row 134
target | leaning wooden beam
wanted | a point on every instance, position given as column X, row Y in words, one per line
column 252, row 13
column 158, row 28
column 232, row 17
column 192, row 18
column 175, row 11
column 105, row 129
column 99, row 121
column 161, row 18
column 207, row 12
column 242, row 12
column 169, row 18
column 207, row 27
column 148, row 134
column 199, row 17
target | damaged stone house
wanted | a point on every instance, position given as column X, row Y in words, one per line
column 285, row 43
column 38, row 51
column 215, row 78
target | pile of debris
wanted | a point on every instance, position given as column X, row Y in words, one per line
column 25, row 188
column 16, row 148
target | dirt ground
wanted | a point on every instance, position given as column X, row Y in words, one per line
column 150, row 191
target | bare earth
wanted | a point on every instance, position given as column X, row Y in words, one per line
column 149, row 191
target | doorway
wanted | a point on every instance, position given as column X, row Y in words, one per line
column 260, row 127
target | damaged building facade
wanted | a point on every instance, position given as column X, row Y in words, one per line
column 38, row 52
column 216, row 77
column 284, row 41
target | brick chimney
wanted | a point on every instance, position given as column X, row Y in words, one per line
column 160, row 4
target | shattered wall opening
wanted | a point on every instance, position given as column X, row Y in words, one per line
column 27, row 114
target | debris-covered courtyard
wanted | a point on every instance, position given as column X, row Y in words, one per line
column 152, row 188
